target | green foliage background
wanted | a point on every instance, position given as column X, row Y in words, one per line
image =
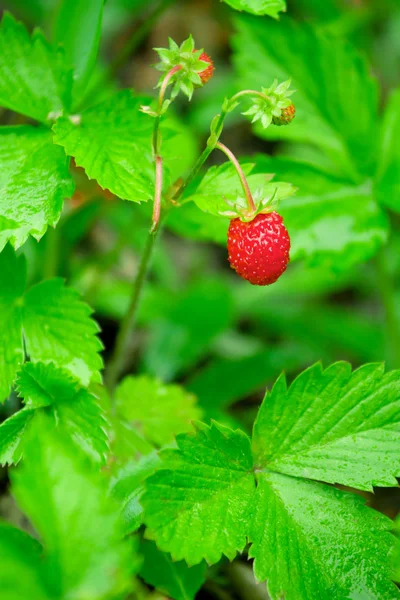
column 117, row 495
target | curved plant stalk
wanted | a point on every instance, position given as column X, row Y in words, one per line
column 239, row 170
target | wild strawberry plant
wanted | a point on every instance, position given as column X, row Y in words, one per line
column 128, row 474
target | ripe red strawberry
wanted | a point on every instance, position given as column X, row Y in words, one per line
column 287, row 115
column 208, row 71
column 259, row 250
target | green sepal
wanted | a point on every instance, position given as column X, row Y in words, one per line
column 185, row 55
column 274, row 99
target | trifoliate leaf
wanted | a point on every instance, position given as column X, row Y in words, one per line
column 74, row 410
column 127, row 487
column 175, row 579
column 58, row 327
column 33, row 78
column 68, row 504
column 198, row 505
column 11, row 434
column 34, row 181
column 159, row 412
column 329, row 220
column 271, row 8
column 336, row 98
column 21, row 567
column 333, row 425
column 112, row 142
column 220, row 192
column 309, row 540
column 387, row 177
column 313, row 541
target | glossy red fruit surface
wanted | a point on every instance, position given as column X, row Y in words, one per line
column 259, row 250
column 208, row 71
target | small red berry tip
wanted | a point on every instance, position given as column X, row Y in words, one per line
column 208, row 72
column 287, row 115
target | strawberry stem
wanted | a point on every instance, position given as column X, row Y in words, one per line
column 239, row 171
column 156, row 150
column 250, row 93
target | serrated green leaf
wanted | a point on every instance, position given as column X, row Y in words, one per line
column 34, row 181
column 271, row 8
column 220, row 192
column 175, row 579
column 11, row 434
column 313, row 541
column 387, row 177
column 112, row 142
column 395, row 556
column 78, row 28
column 203, row 492
column 33, row 78
column 159, row 412
column 58, row 328
column 74, row 410
column 13, row 275
column 127, row 487
column 54, row 323
column 336, row 98
column 69, row 506
column 21, row 567
column 333, row 425
column 330, row 221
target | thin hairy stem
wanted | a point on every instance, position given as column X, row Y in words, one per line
column 239, row 170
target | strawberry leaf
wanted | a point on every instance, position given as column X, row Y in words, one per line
column 77, row 29
column 271, row 8
column 175, row 579
column 159, row 412
column 333, row 425
column 11, row 434
column 112, row 142
column 203, row 493
column 13, row 270
column 34, row 80
column 127, row 487
column 70, row 338
column 21, row 568
column 54, row 323
column 313, row 541
column 34, row 181
column 67, row 503
column 220, row 192
column 387, row 176
column 72, row 407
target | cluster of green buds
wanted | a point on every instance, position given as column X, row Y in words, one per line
column 193, row 67
column 271, row 105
